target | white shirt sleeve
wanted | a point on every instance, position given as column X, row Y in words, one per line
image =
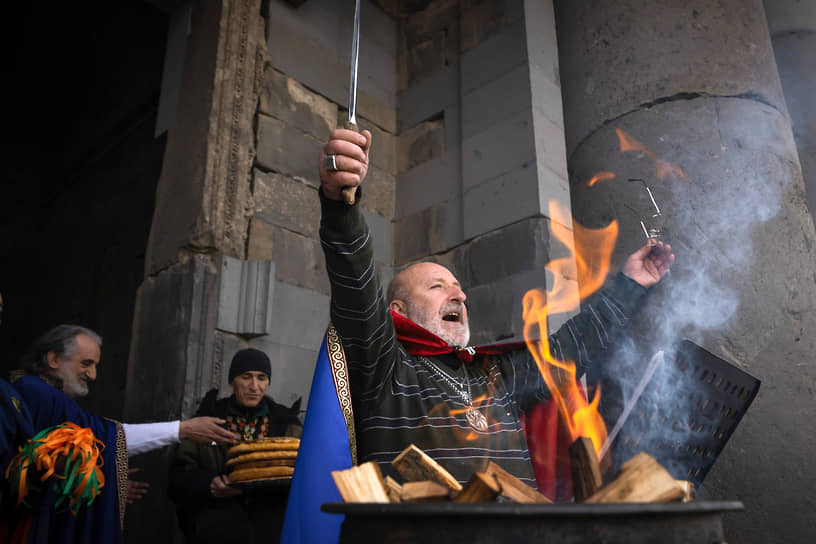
column 145, row 437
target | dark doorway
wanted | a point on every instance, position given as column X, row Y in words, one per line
column 79, row 175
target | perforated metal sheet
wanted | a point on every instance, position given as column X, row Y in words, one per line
column 687, row 413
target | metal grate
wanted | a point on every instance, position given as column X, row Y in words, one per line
column 687, row 413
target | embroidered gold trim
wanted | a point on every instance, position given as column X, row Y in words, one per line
column 121, row 471
column 339, row 371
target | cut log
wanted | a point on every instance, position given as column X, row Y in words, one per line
column 393, row 489
column 482, row 487
column 361, row 484
column 641, row 479
column 586, row 471
column 689, row 492
column 424, row 491
column 514, row 489
column 415, row 465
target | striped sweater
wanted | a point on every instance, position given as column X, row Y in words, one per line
column 401, row 399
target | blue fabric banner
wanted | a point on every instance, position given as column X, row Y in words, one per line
column 324, row 447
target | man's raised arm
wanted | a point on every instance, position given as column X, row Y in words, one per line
column 358, row 309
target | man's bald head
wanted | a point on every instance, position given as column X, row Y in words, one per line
column 430, row 295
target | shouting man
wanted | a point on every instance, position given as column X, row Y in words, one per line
column 412, row 380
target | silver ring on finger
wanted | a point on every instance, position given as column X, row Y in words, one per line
column 330, row 162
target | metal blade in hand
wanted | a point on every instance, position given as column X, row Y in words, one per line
column 355, row 53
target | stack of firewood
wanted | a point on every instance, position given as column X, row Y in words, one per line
column 427, row 481
column 641, row 479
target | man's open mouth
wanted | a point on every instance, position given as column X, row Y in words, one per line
column 452, row 317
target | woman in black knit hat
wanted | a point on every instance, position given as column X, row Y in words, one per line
column 209, row 508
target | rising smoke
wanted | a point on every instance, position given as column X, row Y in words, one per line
column 711, row 218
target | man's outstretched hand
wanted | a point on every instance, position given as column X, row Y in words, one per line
column 351, row 155
column 206, row 430
column 649, row 264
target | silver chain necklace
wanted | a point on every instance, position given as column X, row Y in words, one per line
column 474, row 417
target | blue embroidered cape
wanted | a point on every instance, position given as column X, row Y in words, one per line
column 100, row 522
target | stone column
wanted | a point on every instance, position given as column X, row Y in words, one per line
column 695, row 82
column 793, row 33
column 202, row 209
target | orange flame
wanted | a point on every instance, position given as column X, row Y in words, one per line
column 662, row 168
column 604, row 175
column 592, row 251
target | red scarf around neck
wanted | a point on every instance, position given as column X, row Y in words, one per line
column 420, row 341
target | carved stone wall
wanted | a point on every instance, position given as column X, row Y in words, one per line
column 203, row 204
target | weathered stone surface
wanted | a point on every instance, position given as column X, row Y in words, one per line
column 549, row 145
column 225, row 346
column 502, row 148
column 431, row 20
column 327, row 25
column 617, row 57
column 497, row 100
column 426, row 57
column 453, row 39
column 383, row 144
column 479, row 21
column 286, row 202
column 419, row 144
column 546, row 95
column 378, row 192
column 758, row 128
column 298, row 259
column 297, row 106
column 244, row 295
column 292, row 370
column 308, row 45
column 380, row 228
column 789, row 16
column 203, row 202
column 261, row 239
column 429, row 97
column 493, row 57
column 514, row 10
column 169, row 366
column 794, row 59
column 506, row 251
column 452, row 117
column 542, row 44
column 302, row 316
column 502, row 200
column 391, row 7
column 286, row 150
column 495, row 309
column 412, row 236
column 432, row 230
column 553, row 189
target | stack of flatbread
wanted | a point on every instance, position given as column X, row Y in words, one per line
column 262, row 459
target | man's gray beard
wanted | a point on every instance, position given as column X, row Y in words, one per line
column 72, row 386
column 419, row 317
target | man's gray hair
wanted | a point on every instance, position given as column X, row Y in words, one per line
column 61, row 340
